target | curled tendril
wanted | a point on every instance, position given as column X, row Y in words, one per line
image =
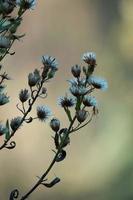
column 29, row 120
column 14, row 194
column 33, row 93
column 29, row 102
column 43, row 96
column 19, row 108
column 12, row 145
column 52, row 183
column 11, row 53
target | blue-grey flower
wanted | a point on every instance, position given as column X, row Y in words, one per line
column 24, row 95
column 89, row 58
column 76, row 71
column 78, row 90
column 66, row 101
column 97, row 82
column 55, row 124
column 15, row 123
column 49, row 62
column 81, row 115
column 43, row 112
column 33, row 78
column 3, row 99
column 26, row 4
column 89, row 101
column 2, row 129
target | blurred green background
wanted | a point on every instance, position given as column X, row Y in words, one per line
column 99, row 163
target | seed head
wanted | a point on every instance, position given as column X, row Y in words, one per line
column 89, row 58
column 43, row 112
column 15, row 123
column 24, row 95
column 66, row 101
column 89, row 101
column 98, row 83
column 76, row 71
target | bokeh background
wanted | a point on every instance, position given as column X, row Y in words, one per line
column 99, row 163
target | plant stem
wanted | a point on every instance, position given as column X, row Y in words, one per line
column 51, row 164
column 24, row 117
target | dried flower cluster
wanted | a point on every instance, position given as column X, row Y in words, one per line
column 79, row 103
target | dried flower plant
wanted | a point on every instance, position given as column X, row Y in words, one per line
column 78, row 103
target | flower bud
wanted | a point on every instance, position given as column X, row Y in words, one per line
column 81, row 115
column 76, row 70
column 33, row 78
column 89, row 58
column 55, row 124
column 23, row 95
column 15, row 123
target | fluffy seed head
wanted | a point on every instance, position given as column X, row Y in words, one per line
column 89, row 58
column 43, row 112
column 24, row 95
column 76, row 71
column 89, row 101
column 98, row 83
column 15, row 123
column 66, row 101
column 49, row 62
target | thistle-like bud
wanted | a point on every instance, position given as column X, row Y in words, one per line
column 89, row 58
column 43, row 112
column 81, row 115
column 5, row 42
column 76, row 71
column 66, row 101
column 24, row 95
column 89, row 101
column 33, row 78
column 98, row 83
column 55, row 124
column 15, row 123
column 49, row 62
